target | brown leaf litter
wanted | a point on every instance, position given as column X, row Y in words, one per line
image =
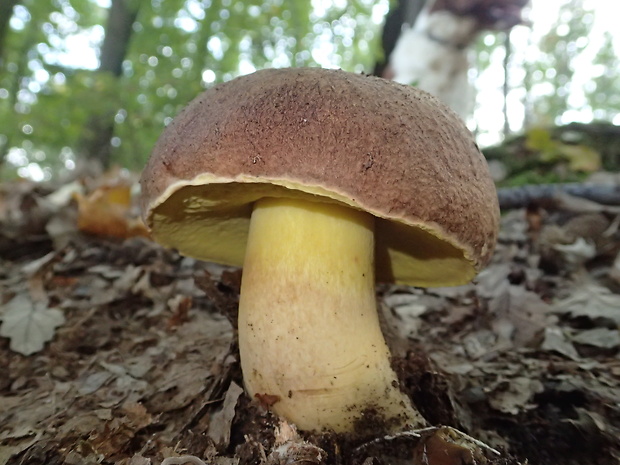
column 114, row 350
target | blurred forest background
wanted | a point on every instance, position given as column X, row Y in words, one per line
column 99, row 79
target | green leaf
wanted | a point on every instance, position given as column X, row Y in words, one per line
column 539, row 139
column 581, row 157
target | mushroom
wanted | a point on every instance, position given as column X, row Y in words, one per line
column 320, row 183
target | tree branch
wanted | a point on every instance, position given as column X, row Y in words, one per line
column 521, row 197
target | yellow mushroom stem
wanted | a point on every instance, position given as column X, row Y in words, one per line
column 309, row 332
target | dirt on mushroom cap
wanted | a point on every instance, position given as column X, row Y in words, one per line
column 326, row 135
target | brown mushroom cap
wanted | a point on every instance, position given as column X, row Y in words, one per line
column 325, row 135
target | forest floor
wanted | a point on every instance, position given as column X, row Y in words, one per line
column 115, row 350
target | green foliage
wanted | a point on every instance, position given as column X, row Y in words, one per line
column 567, row 153
column 580, row 158
column 178, row 48
column 550, row 74
column 541, row 175
column 604, row 92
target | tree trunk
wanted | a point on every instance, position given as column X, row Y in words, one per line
column 15, row 78
column 432, row 53
column 117, row 35
column 6, row 11
column 95, row 144
column 506, row 86
column 404, row 14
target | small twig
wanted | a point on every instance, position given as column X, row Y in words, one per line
column 182, row 459
column 419, row 432
column 457, row 432
column 613, row 227
column 477, row 442
column 403, row 434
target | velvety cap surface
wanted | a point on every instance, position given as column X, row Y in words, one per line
column 333, row 136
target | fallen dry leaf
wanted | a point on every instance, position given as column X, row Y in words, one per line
column 614, row 273
column 221, row 421
column 591, row 301
column 603, row 338
column 556, row 341
column 522, row 314
column 105, row 212
column 515, row 395
column 8, row 451
column 29, row 325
